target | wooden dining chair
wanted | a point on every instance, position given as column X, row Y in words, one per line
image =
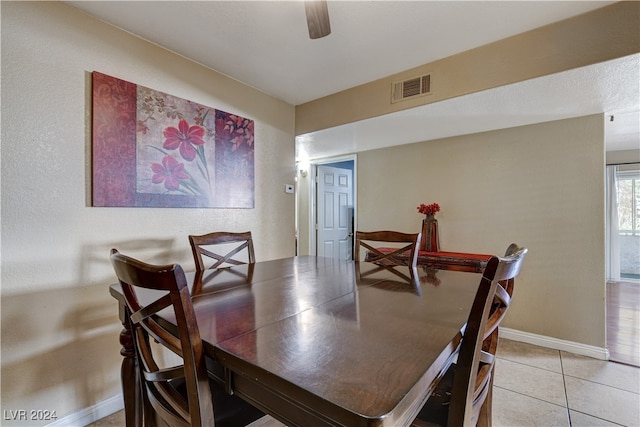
column 181, row 395
column 230, row 243
column 463, row 397
column 404, row 255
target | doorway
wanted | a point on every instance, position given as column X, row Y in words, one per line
column 623, row 263
column 333, row 212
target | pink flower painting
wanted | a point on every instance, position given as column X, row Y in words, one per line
column 169, row 173
column 152, row 149
column 184, row 137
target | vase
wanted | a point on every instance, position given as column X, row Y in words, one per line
column 430, row 238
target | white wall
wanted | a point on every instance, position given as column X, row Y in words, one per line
column 540, row 186
column 60, row 347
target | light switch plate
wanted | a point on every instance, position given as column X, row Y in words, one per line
column 288, row 188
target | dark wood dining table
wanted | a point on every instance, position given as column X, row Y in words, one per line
column 322, row 342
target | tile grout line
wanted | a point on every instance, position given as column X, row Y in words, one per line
column 528, row 364
column 578, row 377
column 599, row 418
column 529, row 396
column 602, row 384
column 564, row 384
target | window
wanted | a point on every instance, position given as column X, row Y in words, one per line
column 629, row 203
column 628, row 195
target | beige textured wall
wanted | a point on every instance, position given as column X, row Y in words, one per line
column 303, row 212
column 60, row 347
column 540, row 186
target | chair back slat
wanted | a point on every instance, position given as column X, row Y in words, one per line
column 409, row 253
column 473, row 376
column 202, row 246
column 387, row 259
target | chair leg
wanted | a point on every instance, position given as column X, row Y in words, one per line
column 129, row 374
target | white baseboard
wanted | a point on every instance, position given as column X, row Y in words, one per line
column 555, row 343
column 91, row 414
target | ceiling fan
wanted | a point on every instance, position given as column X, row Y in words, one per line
column 317, row 18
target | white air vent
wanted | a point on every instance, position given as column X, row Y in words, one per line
column 410, row 88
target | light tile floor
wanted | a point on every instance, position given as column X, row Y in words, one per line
column 536, row 386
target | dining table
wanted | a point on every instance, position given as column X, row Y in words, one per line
column 317, row 341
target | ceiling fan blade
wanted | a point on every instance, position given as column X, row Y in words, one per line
column 317, row 18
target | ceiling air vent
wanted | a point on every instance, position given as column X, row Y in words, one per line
column 410, row 88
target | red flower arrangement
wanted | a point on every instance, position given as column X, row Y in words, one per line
column 429, row 209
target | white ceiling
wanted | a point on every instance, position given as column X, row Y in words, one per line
column 265, row 44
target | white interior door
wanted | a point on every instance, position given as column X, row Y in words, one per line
column 335, row 212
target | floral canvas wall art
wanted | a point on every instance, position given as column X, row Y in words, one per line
column 152, row 149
